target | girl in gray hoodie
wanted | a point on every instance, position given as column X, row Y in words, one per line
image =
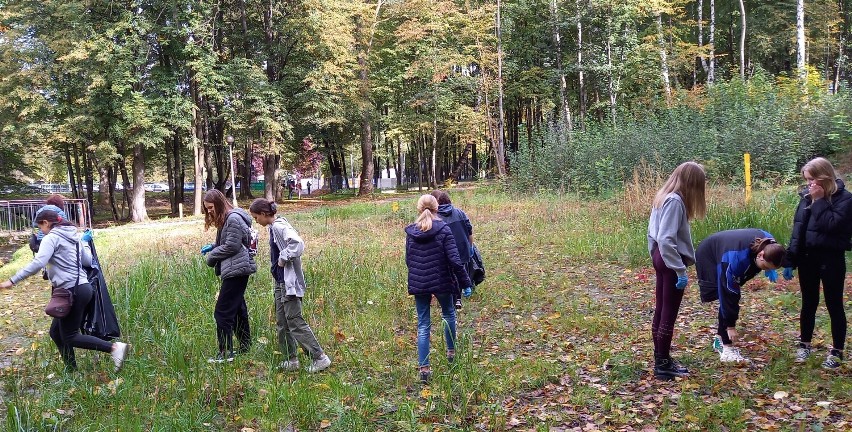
column 63, row 254
column 680, row 200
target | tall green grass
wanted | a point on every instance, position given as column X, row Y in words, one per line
column 527, row 328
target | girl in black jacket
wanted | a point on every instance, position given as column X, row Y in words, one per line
column 434, row 269
column 822, row 228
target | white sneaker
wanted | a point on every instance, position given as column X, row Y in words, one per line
column 290, row 365
column 119, row 354
column 319, row 364
column 731, row 355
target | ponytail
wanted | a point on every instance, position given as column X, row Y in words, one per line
column 424, row 221
column 427, row 206
column 772, row 251
column 264, row 207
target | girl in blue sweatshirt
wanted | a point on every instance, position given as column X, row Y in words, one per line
column 724, row 262
column 680, row 200
column 285, row 252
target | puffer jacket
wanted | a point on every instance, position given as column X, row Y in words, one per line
column 230, row 254
column 821, row 224
column 433, row 261
column 460, row 226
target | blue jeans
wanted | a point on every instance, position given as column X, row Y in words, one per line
column 424, row 324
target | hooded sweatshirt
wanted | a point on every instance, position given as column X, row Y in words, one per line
column 668, row 229
column 433, row 261
column 58, row 254
column 285, row 252
column 460, row 226
column 724, row 262
column 230, row 255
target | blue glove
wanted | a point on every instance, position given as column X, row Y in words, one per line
column 788, row 273
column 87, row 236
column 681, row 282
column 206, row 248
column 772, row 275
column 467, row 292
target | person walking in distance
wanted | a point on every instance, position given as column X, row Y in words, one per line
column 680, row 200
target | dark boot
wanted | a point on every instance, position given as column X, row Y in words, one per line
column 665, row 370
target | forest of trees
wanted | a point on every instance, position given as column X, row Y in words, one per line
column 117, row 92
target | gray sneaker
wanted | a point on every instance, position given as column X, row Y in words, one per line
column 119, row 354
column 802, row 353
column 290, row 365
column 319, row 364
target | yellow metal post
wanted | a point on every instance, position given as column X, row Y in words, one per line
column 747, row 161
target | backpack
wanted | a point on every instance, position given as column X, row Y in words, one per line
column 252, row 242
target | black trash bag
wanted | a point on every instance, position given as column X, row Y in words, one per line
column 476, row 269
column 99, row 319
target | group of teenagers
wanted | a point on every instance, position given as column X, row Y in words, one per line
column 725, row 261
column 439, row 249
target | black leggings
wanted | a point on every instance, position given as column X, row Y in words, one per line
column 722, row 330
column 828, row 266
column 65, row 332
column 231, row 314
column 666, row 308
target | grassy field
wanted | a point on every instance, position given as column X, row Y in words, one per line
column 557, row 338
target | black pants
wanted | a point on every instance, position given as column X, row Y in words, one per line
column 65, row 332
column 231, row 314
column 722, row 330
column 828, row 266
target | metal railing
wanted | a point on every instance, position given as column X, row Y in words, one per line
column 17, row 215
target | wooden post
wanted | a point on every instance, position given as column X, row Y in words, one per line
column 180, row 210
column 747, row 161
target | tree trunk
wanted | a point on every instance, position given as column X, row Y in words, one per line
column 78, row 172
column 90, row 181
column 800, row 40
column 125, row 180
column 664, row 62
column 71, row 178
column 501, row 144
column 179, row 175
column 700, row 11
column 711, row 66
column 610, row 77
column 105, row 187
column 112, row 179
column 170, row 174
column 138, row 211
column 198, row 165
column 742, row 39
column 565, row 125
column 580, row 72
column 270, row 179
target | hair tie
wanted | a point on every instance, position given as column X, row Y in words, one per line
column 58, row 218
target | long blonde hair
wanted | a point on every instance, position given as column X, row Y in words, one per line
column 427, row 207
column 688, row 180
column 822, row 171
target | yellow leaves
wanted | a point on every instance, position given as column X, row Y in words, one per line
column 425, row 393
column 325, row 423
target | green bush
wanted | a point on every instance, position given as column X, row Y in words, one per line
column 776, row 123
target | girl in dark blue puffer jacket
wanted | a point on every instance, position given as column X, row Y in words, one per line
column 434, row 269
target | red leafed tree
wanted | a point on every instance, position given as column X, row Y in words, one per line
column 308, row 159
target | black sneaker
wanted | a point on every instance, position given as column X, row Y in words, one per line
column 678, row 366
column 425, row 376
column 665, row 370
column 458, row 303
